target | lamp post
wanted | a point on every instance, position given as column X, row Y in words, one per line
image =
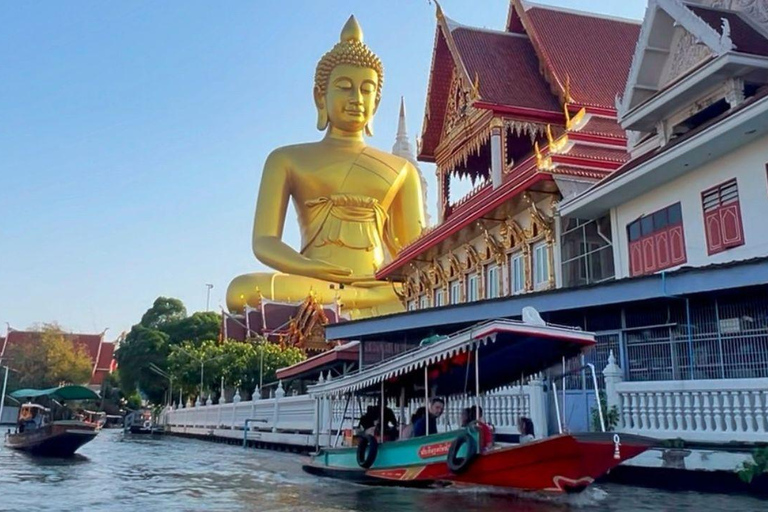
column 208, row 296
column 2, row 396
column 153, row 367
column 202, row 366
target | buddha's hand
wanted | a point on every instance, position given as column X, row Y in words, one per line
column 320, row 269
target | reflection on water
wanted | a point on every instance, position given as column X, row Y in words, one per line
column 116, row 473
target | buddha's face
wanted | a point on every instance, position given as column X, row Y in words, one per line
column 350, row 98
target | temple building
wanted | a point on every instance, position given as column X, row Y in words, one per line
column 98, row 349
column 528, row 115
column 621, row 188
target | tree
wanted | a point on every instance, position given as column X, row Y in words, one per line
column 163, row 312
column 54, row 360
column 143, row 346
column 195, row 328
column 239, row 363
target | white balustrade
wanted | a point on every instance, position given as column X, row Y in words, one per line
column 296, row 414
column 696, row 410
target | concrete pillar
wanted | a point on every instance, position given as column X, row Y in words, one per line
column 538, row 406
column 613, row 376
column 279, row 394
column 497, row 160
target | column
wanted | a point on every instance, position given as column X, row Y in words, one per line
column 496, row 152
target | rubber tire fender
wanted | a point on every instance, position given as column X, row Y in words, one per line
column 367, row 449
column 459, row 465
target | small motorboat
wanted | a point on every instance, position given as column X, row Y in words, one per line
column 498, row 350
column 139, row 422
column 51, row 431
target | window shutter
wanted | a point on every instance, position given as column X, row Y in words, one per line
column 649, row 259
column 677, row 245
column 730, row 222
column 635, row 258
column 713, row 229
column 661, row 241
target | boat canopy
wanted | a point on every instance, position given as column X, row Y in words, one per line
column 507, row 350
column 60, row 393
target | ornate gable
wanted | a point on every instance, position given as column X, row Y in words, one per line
column 756, row 10
column 673, row 40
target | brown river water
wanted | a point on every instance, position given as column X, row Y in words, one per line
column 127, row 473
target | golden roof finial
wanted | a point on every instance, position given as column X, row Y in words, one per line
column 476, row 86
column 567, row 92
column 351, row 31
column 567, row 115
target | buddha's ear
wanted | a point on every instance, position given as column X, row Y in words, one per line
column 322, row 112
column 369, row 124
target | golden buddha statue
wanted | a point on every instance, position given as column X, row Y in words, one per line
column 356, row 205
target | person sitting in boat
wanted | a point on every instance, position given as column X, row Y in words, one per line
column 408, row 429
column 369, row 422
column 525, row 426
column 468, row 415
column 436, row 406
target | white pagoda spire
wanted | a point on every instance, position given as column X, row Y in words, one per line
column 402, row 145
column 404, row 149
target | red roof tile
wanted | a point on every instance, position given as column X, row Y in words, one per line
column 603, row 126
column 581, row 172
column 598, row 153
column 106, row 356
column 746, row 38
column 506, row 67
column 437, row 97
column 592, row 53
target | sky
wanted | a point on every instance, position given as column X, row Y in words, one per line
column 133, row 134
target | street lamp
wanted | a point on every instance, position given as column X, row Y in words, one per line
column 202, row 365
column 8, row 369
column 208, row 296
column 153, row 367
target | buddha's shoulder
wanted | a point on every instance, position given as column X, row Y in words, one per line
column 294, row 151
column 392, row 161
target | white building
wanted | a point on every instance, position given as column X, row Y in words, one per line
column 695, row 192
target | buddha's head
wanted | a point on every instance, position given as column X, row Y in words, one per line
column 348, row 82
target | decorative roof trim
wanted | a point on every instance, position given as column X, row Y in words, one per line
column 718, row 43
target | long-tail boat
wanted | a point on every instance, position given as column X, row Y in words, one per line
column 480, row 359
column 46, row 431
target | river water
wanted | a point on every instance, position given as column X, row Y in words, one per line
column 126, row 473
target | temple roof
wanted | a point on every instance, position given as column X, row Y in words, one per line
column 100, row 351
column 500, row 59
column 586, row 53
column 544, row 56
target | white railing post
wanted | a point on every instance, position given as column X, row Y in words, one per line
column 538, row 406
column 279, row 394
column 613, row 376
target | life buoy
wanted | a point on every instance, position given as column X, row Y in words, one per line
column 367, row 449
column 147, row 424
column 457, row 464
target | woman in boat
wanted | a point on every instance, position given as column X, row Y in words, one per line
column 468, row 415
column 525, row 426
column 408, row 429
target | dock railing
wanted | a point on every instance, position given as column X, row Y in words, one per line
column 294, row 419
column 710, row 411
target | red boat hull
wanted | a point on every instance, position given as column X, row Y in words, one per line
column 564, row 463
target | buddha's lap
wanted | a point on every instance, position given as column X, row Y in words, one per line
column 249, row 288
